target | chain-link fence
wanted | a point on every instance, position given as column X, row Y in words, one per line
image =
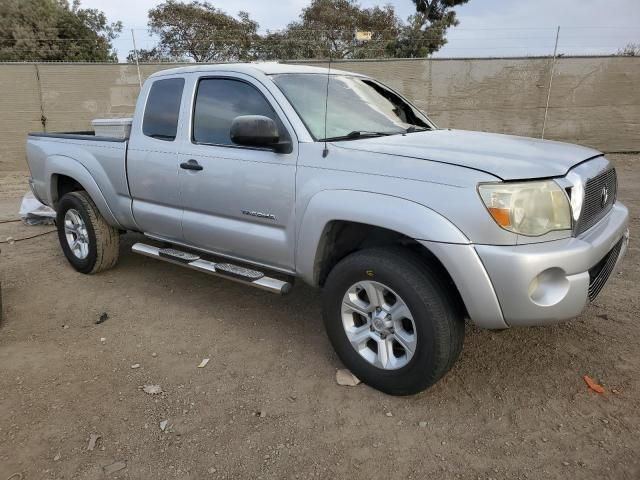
column 306, row 44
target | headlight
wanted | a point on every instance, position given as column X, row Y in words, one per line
column 528, row 208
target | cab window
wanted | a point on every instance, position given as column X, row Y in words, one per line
column 163, row 108
column 219, row 101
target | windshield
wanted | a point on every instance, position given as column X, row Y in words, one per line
column 356, row 107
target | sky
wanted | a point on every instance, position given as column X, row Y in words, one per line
column 488, row 28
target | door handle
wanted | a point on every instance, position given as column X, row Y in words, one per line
column 191, row 165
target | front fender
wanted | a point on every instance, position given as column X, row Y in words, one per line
column 393, row 213
column 61, row 165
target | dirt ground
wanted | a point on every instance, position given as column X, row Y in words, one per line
column 514, row 406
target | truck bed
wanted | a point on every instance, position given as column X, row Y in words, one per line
column 98, row 164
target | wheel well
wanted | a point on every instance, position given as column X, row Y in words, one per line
column 341, row 238
column 63, row 185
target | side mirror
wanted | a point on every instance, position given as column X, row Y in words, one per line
column 258, row 131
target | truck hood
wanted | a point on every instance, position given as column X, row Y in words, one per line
column 505, row 156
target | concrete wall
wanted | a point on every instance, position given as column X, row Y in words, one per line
column 594, row 100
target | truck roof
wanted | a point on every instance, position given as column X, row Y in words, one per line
column 266, row 68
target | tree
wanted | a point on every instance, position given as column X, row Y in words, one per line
column 154, row 55
column 54, row 30
column 202, row 32
column 630, row 50
column 328, row 28
column 425, row 31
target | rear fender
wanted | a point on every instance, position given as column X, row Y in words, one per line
column 61, row 165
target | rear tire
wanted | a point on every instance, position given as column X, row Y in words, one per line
column 421, row 346
column 90, row 244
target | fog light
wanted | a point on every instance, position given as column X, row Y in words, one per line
column 549, row 287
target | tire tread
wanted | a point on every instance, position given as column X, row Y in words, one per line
column 107, row 237
column 424, row 279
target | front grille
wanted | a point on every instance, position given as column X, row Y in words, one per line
column 599, row 274
column 593, row 207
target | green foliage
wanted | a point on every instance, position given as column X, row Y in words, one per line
column 155, row 55
column 54, row 30
column 425, row 31
column 327, row 28
column 202, row 32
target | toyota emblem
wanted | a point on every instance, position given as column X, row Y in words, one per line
column 604, row 196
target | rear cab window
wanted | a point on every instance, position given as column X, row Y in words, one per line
column 162, row 110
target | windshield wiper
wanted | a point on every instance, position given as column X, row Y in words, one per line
column 415, row 128
column 358, row 134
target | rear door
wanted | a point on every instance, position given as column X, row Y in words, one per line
column 152, row 160
column 240, row 200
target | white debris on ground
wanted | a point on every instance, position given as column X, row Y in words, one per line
column 93, row 439
column 346, row 378
column 163, row 425
column 32, row 212
column 152, row 389
column 203, row 363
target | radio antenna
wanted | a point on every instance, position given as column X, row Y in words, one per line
column 325, row 151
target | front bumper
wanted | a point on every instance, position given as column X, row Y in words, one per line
column 539, row 283
column 542, row 283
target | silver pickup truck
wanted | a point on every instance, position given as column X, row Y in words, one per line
column 264, row 173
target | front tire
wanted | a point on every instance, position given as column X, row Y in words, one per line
column 90, row 244
column 392, row 320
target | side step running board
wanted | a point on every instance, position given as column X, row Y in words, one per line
column 244, row 275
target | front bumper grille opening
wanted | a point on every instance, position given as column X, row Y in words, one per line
column 599, row 273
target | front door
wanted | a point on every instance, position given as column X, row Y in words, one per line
column 238, row 201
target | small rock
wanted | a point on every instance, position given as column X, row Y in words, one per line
column 422, row 424
column 389, row 414
column 10, row 240
column 57, row 457
column 212, row 470
column 152, row 389
column 163, row 425
column 566, row 464
column 103, row 340
column 114, row 467
column 93, row 439
column 103, row 318
column 154, row 354
column 203, row 363
column 261, row 414
column 135, row 365
column 65, row 326
column 605, row 421
column 603, row 316
column 346, row 378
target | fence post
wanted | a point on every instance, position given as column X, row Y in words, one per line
column 135, row 54
column 553, row 65
column 43, row 118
